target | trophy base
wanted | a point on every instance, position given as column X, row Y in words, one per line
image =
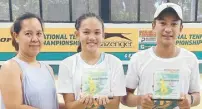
column 165, row 99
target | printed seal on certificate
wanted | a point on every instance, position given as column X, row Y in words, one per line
column 166, row 85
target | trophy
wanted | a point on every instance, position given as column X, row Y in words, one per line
column 95, row 82
column 166, row 85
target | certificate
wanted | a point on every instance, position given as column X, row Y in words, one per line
column 94, row 82
column 166, row 85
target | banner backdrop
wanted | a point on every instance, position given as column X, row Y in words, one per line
column 120, row 39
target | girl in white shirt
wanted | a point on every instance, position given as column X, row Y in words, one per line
column 105, row 70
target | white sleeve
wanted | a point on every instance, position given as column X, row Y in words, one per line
column 195, row 78
column 118, row 86
column 65, row 82
column 132, row 78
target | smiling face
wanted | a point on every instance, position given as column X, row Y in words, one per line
column 30, row 38
column 90, row 34
column 167, row 27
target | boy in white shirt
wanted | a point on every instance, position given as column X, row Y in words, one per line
column 167, row 57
